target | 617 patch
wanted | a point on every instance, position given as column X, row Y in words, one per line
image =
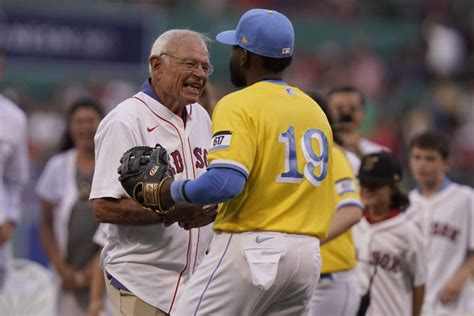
column 220, row 140
column 345, row 185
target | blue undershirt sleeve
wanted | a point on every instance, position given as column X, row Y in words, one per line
column 215, row 186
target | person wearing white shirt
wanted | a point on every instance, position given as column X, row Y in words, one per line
column 67, row 222
column 444, row 211
column 146, row 262
column 14, row 172
column 346, row 105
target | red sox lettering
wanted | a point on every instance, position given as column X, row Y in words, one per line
column 385, row 261
column 200, row 158
column 444, row 230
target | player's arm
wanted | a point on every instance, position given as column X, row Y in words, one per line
column 230, row 160
column 418, row 296
column 215, row 186
column 123, row 211
column 452, row 288
column 349, row 206
column 110, row 202
column 344, row 218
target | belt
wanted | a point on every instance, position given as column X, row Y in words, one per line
column 325, row 276
column 115, row 283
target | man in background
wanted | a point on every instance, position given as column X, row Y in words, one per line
column 346, row 106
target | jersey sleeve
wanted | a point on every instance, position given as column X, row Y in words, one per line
column 416, row 257
column 50, row 186
column 346, row 188
column 112, row 140
column 234, row 140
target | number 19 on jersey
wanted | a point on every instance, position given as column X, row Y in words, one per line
column 313, row 160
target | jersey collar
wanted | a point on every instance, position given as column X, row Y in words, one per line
column 147, row 88
column 280, row 82
column 393, row 213
column 446, row 183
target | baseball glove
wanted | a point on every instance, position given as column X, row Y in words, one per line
column 142, row 171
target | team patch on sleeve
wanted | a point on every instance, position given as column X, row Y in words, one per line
column 220, row 140
column 345, row 185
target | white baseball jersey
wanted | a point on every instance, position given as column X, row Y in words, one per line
column 354, row 161
column 13, row 169
column 447, row 223
column 151, row 261
column 366, row 147
column 394, row 249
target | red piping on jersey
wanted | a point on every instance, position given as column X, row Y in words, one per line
column 181, row 274
column 197, row 248
column 192, row 162
column 177, row 131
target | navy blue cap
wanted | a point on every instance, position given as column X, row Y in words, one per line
column 263, row 32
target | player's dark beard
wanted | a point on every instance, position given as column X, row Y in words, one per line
column 236, row 76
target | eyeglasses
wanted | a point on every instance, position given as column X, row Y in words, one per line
column 191, row 64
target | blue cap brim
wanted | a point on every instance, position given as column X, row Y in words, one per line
column 227, row 37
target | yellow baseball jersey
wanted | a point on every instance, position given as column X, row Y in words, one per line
column 339, row 253
column 280, row 139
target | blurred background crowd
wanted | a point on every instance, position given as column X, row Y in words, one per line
column 413, row 60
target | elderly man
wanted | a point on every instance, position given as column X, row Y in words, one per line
column 146, row 263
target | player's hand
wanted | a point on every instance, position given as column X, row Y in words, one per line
column 207, row 216
column 450, row 291
column 6, row 231
column 185, row 213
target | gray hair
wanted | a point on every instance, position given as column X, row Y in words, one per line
column 163, row 41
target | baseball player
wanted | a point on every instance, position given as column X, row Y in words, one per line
column 390, row 251
column 146, row 264
column 444, row 211
column 270, row 163
column 337, row 290
column 14, row 172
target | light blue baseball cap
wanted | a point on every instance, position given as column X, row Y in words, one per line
column 263, row 32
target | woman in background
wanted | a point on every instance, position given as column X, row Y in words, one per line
column 68, row 225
